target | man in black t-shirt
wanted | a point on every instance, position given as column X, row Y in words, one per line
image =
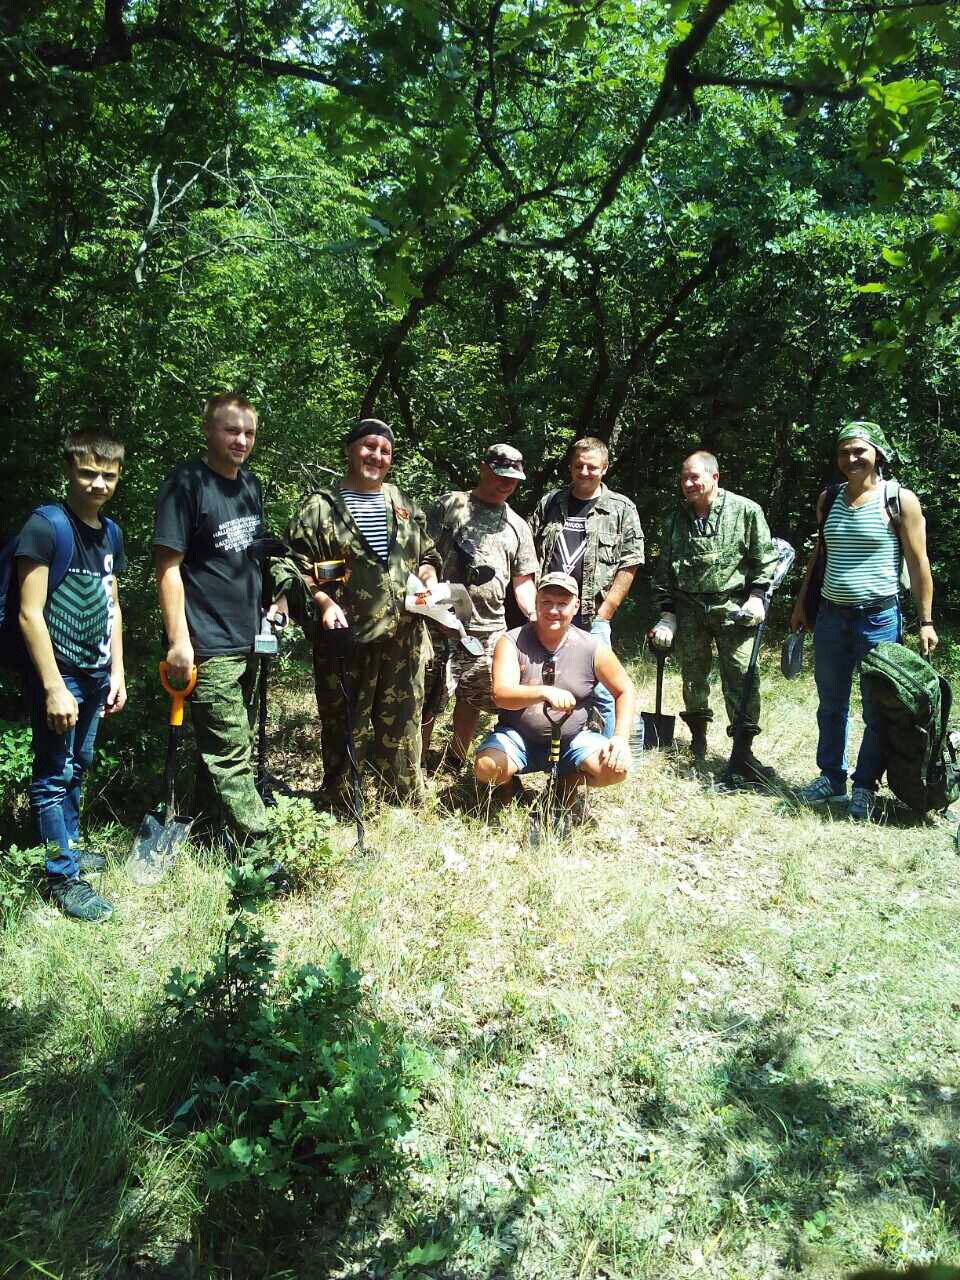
column 67, row 560
column 207, row 514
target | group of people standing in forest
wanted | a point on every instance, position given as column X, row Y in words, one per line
column 358, row 551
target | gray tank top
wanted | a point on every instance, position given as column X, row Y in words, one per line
column 575, row 663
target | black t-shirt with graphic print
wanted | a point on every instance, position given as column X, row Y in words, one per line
column 79, row 612
column 213, row 520
column 570, row 545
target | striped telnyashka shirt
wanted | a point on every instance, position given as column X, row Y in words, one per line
column 863, row 552
column 370, row 512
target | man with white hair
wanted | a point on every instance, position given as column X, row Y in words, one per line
column 716, row 564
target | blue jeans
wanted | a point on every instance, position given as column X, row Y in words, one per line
column 840, row 642
column 602, row 697
column 59, row 762
column 534, row 757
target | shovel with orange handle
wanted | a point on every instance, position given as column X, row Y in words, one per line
column 162, row 832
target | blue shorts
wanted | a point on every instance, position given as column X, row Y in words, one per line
column 533, row 757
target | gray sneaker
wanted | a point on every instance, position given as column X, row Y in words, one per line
column 76, row 899
column 820, row 791
column 861, row 805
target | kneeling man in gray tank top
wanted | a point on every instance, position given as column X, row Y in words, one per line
column 544, row 672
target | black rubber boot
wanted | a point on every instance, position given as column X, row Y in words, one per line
column 744, row 764
column 698, row 736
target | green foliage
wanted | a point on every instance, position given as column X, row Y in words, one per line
column 16, row 756
column 21, row 871
column 300, row 840
column 295, row 1089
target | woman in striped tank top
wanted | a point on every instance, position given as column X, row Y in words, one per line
column 859, row 607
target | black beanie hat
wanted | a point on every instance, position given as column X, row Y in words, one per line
column 368, row 427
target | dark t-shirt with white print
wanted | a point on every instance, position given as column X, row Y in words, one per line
column 571, row 544
column 79, row 612
column 213, row 520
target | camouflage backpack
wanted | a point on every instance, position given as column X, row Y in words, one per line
column 914, row 704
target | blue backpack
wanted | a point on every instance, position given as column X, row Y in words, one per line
column 13, row 650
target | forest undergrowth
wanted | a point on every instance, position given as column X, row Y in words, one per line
column 713, row 1035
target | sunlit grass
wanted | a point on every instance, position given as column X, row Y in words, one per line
column 714, row 1035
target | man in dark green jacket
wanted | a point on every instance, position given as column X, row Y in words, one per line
column 381, row 537
column 716, row 563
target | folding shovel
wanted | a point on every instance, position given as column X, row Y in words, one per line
column 658, row 729
column 551, row 814
column 162, row 832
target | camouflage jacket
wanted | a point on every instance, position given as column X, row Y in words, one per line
column 732, row 556
column 614, row 540
column 372, row 596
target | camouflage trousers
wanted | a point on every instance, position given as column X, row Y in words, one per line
column 698, row 631
column 384, row 681
column 455, row 670
column 223, row 707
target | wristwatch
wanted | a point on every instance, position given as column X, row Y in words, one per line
column 925, row 622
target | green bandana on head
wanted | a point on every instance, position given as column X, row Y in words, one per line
column 872, row 433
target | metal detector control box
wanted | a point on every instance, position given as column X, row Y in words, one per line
column 266, row 644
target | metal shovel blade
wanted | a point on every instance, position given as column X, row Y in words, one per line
column 657, row 730
column 155, row 846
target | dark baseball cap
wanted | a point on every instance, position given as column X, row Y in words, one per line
column 504, row 460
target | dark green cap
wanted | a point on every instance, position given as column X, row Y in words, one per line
column 872, row 433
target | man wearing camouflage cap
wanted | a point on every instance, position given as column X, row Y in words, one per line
column 380, row 536
column 716, row 563
column 868, row 527
column 487, row 547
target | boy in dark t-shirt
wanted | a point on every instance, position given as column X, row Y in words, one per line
column 207, row 514
column 73, row 637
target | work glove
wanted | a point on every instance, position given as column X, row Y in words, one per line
column 663, row 632
column 751, row 613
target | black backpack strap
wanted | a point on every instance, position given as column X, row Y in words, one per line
column 830, row 495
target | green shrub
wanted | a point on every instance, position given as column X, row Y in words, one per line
column 21, row 870
column 300, row 839
column 294, row 1087
column 16, row 759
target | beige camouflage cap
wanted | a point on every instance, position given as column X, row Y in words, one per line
column 504, row 460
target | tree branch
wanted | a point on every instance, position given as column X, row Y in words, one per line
column 431, row 283
column 773, row 85
column 678, row 60
column 721, row 252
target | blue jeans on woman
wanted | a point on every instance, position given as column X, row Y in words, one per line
column 59, row 763
column 841, row 639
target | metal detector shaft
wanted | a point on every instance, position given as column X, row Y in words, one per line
column 352, row 757
column 263, row 550
column 785, row 558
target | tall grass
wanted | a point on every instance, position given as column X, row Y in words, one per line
column 715, row 1035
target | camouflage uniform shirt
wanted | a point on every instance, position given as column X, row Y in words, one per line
column 729, row 554
column 614, row 541
column 503, row 540
column 373, row 595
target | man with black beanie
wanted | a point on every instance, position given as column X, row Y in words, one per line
column 381, row 537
